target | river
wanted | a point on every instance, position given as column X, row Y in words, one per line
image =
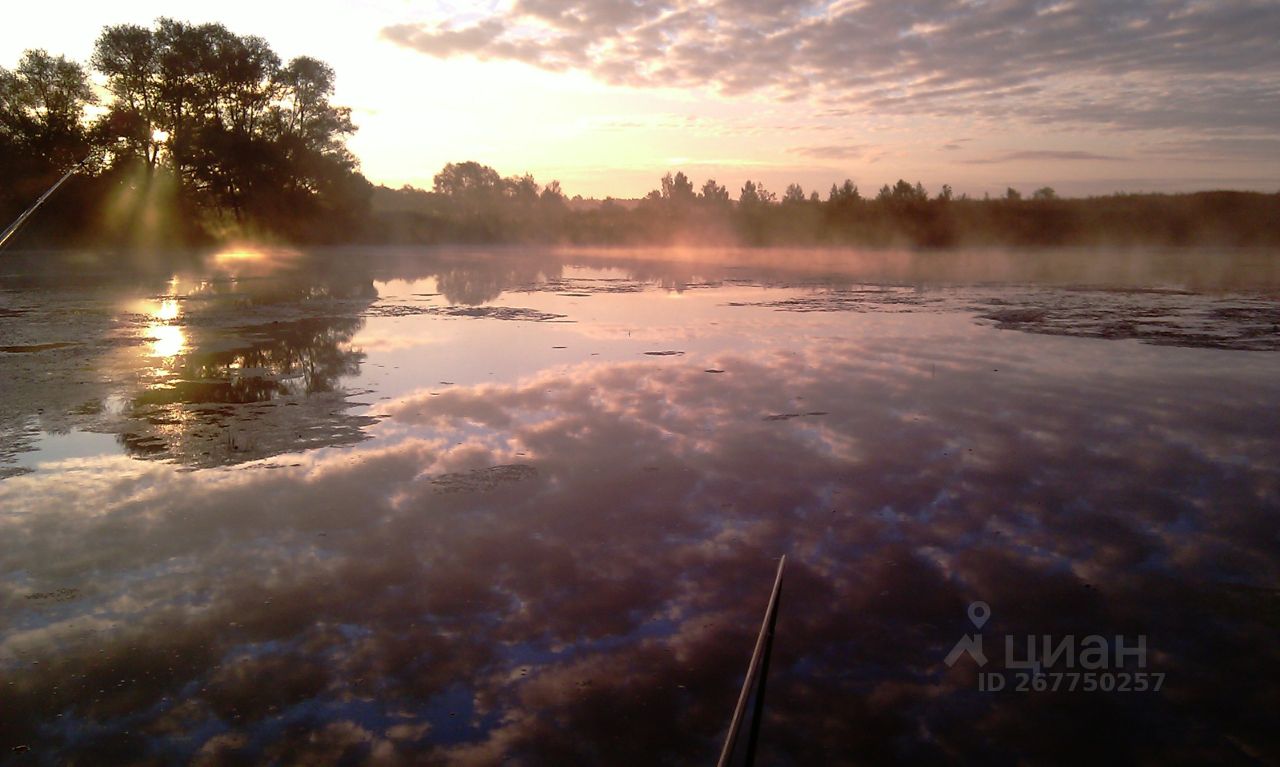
column 475, row 506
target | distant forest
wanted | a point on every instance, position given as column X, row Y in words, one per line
column 471, row 203
column 205, row 135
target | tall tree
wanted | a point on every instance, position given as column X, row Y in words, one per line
column 42, row 131
column 468, row 179
column 713, row 192
column 754, row 194
column 244, row 134
column 42, row 106
column 677, row 189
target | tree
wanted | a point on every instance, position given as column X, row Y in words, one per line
column 713, row 192
column 473, row 195
column 520, row 189
column 753, row 194
column 1044, row 193
column 42, row 106
column 244, row 133
column 845, row 193
column 903, row 192
column 467, row 180
column 42, row 135
column 1012, row 195
column 126, row 55
column 552, row 195
column 843, row 208
column 794, row 194
column 677, row 189
column 753, row 213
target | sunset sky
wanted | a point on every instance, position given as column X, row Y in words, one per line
column 1087, row 96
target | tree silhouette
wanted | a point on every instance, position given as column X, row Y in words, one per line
column 552, row 194
column 902, row 192
column 678, row 189
column 42, row 105
column 42, row 133
column 247, row 136
column 468, row 181
column 844, row 194
column 713, row 192
column 754, row 194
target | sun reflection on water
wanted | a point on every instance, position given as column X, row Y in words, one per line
column 167, row 341
column 168, row 310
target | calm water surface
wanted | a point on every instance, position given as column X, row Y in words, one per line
column 481, row 507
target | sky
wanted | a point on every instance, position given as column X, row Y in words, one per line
column 1086, row 96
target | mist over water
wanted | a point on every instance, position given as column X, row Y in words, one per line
column 475, row 506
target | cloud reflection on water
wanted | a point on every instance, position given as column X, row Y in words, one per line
column 600, row 607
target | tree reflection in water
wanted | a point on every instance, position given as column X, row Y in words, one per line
column 219, row 362
column 249, row 391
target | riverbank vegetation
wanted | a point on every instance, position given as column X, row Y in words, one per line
column 471, row 203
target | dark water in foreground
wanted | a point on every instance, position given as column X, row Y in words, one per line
column 478, row 508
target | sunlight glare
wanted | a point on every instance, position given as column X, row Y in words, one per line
column 167, row 341
column 168, row 311
column 238, row 258
column 238, row 255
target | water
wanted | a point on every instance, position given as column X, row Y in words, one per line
column 474, row 506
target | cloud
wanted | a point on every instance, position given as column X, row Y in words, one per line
column 832, row 152
column 1043, row 156
column 1140, row 64
column 1216, row 148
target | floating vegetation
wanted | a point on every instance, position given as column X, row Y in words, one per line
column 483, row 480
column 57, row 595
column 789, row 416
column 479, row 312
column 33, row 348
column 878, row 298
column 1168, row 318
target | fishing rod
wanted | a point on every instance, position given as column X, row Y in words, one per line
column 759, row 666
column 26, row 214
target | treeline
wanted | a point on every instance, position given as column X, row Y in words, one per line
column 203, row 133
column 472, row 203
